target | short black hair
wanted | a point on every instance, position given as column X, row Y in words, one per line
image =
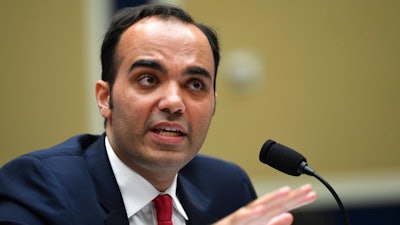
column 126, row 17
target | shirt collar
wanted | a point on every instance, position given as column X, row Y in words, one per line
column 136, row 191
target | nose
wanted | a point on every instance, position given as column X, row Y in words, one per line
column 171, row 99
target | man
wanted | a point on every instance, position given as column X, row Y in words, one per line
column 157, row 95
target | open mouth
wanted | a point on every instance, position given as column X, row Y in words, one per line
column 168, row 132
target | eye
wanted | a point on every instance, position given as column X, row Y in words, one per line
column 196, row 84
column 147, row 80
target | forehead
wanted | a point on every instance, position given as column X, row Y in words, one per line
column 156, row 37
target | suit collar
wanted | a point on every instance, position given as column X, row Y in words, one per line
column 103, row 179
column 194, row 202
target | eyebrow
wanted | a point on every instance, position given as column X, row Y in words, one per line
column 147, row 63
column 152, row 64
column 197, row 70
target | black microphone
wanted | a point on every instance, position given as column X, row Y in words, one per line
column 293, row 163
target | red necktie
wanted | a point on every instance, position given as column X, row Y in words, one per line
column 163, row 204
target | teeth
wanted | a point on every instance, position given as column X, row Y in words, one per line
column 170, row 132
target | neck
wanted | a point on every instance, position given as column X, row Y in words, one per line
column 160, row 180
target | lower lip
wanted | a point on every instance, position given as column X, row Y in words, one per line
column 168, row 139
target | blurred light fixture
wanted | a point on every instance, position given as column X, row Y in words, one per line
column 244, row 70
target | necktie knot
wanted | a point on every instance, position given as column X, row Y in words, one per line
column 163, row 205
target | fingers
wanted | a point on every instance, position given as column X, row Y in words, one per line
column 285, row 199
column 272, row 209
column 271, row 197
column 282, row 219
column 299, row 197
column 272, row 206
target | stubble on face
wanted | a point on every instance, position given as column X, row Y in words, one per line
column 138, row 128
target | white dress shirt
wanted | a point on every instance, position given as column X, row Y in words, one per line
column 138, row 193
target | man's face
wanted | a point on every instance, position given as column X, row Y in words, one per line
column 163, row 98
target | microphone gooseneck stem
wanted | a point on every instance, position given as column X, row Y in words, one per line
column 293, row 163
column 339, row 202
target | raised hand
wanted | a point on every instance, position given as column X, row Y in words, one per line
column 272, row 208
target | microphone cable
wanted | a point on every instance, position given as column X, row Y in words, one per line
column 293, row 163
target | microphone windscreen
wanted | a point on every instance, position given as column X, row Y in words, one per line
column 282, row 158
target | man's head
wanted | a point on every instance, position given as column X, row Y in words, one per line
column 128, row 16
column 159, row 74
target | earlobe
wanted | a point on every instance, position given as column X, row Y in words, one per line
column 103, row 98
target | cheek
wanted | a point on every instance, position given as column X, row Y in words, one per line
column 127, row 98
column 202, row 118
column 128, row 108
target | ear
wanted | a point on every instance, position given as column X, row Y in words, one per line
column 215, row 102
column 103, row 98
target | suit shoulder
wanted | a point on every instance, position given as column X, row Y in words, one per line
column 218, row 180
column 70, row 147
column 210, row 168
column 48, row 186
column 203, row 161
column 58, row 156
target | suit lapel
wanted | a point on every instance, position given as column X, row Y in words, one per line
column 108, row 193
column 194, row 202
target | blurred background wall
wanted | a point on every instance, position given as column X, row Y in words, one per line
column 322, row 77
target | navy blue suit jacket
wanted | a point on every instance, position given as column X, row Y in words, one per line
column 73, row 183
